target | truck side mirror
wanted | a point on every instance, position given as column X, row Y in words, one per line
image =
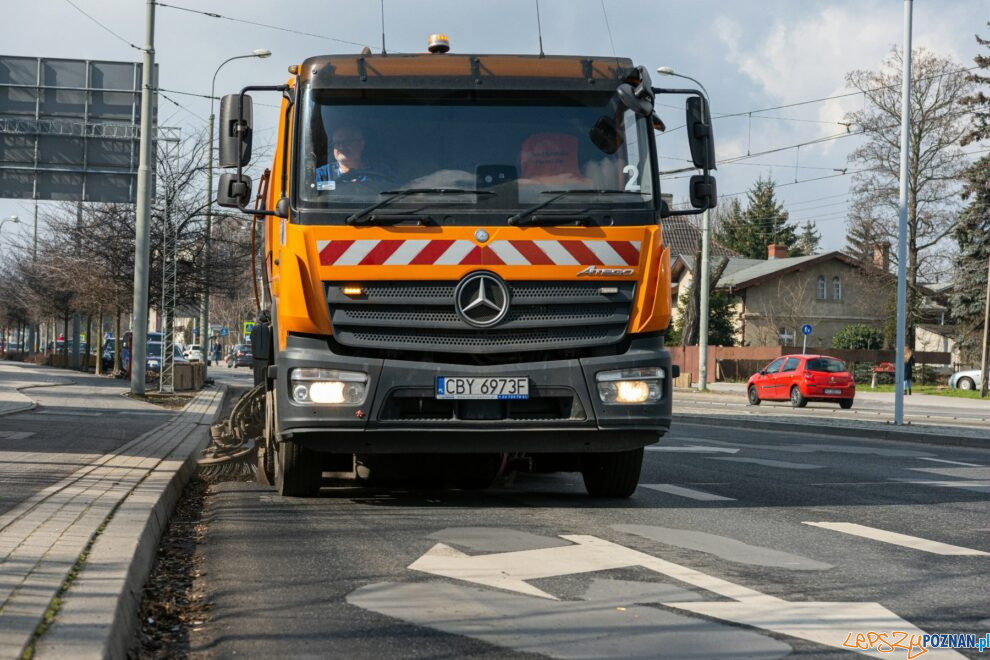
column 699, row 132
column 703, row 191
column 234, row 191
column 235, row 130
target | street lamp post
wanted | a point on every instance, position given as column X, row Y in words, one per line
column 204, row 314
column 704, row 275
column 14, row 219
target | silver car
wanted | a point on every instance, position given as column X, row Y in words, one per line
column 965, row 380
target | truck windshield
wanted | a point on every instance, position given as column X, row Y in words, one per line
column 517, row 146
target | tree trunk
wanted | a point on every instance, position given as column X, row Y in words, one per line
column 89, row 342
column 116, row 344
column 65, row 340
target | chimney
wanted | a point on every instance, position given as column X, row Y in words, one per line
column 881, row 255
column 776, row 251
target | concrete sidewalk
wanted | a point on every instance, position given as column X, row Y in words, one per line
column 14, row 379
column 74, row 557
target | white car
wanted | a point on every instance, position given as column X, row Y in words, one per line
column 965, row 380
column 194, row 353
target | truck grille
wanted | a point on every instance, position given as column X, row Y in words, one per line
column 420, row 316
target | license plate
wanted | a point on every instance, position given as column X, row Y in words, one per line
column 833, row 391
column 482, row 388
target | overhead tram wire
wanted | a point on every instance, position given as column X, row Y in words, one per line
column 104, row 27
column 211, row 14
column 754, row 112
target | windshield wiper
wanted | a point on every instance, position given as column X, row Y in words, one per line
column 395, row 195
column 519, row 218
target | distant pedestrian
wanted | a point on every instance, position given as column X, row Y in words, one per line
column 908, row 370
column 216, row 352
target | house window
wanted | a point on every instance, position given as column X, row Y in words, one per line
column 836, row 288
column 822, row 293
column 785, row 336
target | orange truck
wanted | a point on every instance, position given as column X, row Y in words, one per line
column 464, row 265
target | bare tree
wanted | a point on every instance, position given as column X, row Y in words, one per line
column 934, row 165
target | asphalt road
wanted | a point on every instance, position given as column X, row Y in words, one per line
column 713, row 556
column 72, row 425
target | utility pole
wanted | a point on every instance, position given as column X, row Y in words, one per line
column 705, row 282
column 984, row 368
column 902, row 221
column 142, row 243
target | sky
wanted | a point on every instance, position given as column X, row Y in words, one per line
column 749, row 54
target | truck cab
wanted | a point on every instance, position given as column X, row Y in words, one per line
column 463, row 257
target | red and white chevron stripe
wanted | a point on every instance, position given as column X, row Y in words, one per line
column 463, row 252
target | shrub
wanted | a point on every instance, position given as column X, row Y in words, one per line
column 858, row 336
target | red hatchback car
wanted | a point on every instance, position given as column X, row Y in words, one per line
column 803, row 378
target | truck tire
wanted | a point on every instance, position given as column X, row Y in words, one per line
column 613, row 474
column 298, row 470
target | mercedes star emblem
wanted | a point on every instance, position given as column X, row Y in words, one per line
column 482, row 299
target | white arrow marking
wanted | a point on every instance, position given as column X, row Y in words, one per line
column 695, row 449
column 821, row 622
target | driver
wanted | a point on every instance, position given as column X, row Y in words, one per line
column 348, row 164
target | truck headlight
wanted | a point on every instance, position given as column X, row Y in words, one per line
column 328, row 386
column 639, row 385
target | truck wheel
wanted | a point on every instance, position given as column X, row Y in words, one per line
column 614, row 474
column 297, row 470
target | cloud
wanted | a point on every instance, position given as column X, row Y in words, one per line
column 805, row 56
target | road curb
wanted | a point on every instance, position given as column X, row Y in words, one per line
column 99, row 615
column 31, row 403
column 939, row 436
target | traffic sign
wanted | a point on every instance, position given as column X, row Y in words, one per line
column 223, row 332
column 248, row 327
column 806, row 329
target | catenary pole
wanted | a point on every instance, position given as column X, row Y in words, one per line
column 902, row 221
column 703, row 303
column 142, row 245
column 984, row 367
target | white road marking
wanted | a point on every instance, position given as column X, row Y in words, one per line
column 942, row 460
column 825, row 623
column 894, row 538
column 692, row 449
column 768, row 462
column 687, row 492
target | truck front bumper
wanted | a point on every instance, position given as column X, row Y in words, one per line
column 401, row 413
